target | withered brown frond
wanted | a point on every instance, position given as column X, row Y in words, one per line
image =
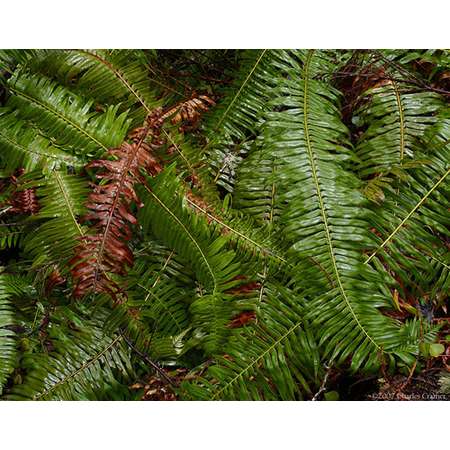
column 105, row 251
column 189, row 111
column 23, row 201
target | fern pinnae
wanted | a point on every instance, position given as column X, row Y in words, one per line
column 187, row 232
column 256, row 360
column 224, row 115
column 401, row 117
column 119, row 75
column 321, row 204
column 72, row 124
column 70, row 376
column 408, row 216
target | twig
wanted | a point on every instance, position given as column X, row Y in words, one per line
column 323, row 385
column 147, row 359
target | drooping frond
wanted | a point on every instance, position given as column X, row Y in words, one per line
column 69, row 118
column 105, row 251
column 25, row 146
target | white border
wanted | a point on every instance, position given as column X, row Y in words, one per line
column 223, row 425
column 225, row 24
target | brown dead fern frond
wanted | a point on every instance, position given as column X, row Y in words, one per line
column 104, row 252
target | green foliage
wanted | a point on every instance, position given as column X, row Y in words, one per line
column 282, row 240
column 7, row 341
column 189, row 235
column 62, row 198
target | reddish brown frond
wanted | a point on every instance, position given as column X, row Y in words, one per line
column 189, row 111
column 23, row 201
column 105, row 251
column 242, row 319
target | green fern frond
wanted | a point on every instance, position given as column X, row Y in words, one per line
column 8, row 349
column 82, row 363
column 396, row 118
column 108, row 77
column 276, row 358
column 25, row 146
column 62, row 198
column 413, row 221
column 188, row 234
column 324, row 218
column 232, row 125
column 65, row 116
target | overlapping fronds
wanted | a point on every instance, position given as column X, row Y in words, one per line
column 188, row 234
column 162, row 291
column 81, row 361
column 231, row 128
column 107, row 76
column 274, row 220
column 275, row 357
column 411, row 225
column 323, row 215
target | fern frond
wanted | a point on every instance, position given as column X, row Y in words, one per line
column 83, row 363
column 25, row 146
column 232, row 125
column 324, row 218
column 412, row 224
column 276, row 358
column 107, row 76
column 162, row 292
column 396, row 117
column 188, row 234
column 62, row 198
column 67, row 117
column 7, row 336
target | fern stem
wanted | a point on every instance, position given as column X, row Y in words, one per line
column 401, row 116
column 66, row 199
